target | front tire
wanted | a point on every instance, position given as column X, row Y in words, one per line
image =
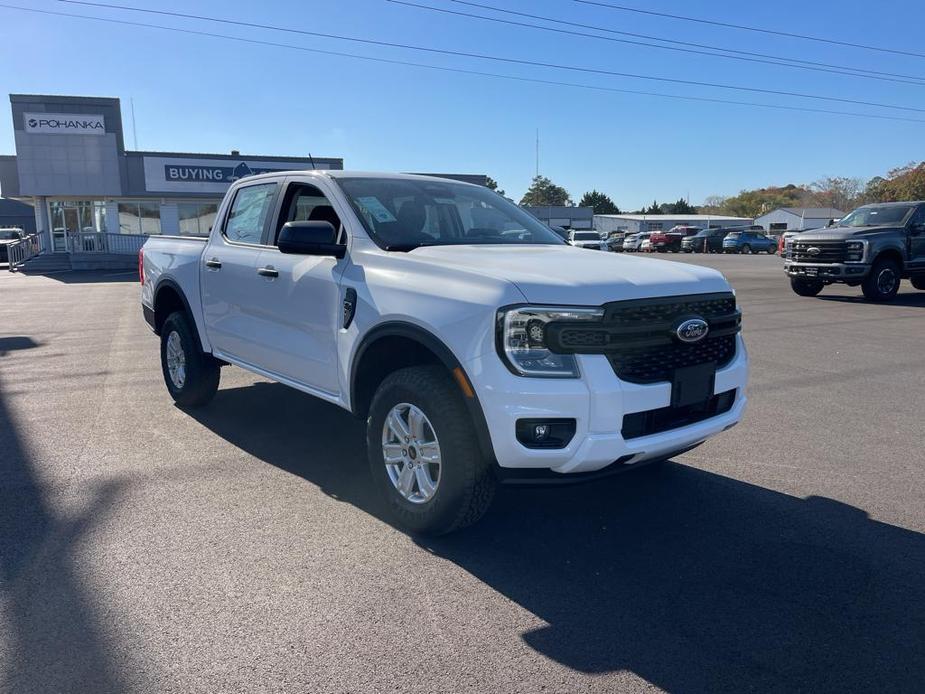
column 918, row 282
column 805, row 287
column 424, row 455
column 746, row 249
column 882, row 283
column 191, row 376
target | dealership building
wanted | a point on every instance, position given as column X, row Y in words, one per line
column 71, row 165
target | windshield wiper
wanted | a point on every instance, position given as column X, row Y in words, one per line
column 405, row 247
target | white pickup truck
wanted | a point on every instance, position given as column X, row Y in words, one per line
column 478, row 346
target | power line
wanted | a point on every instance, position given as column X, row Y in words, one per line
column 463, row 71
column 728, row 25
column 718, row 50
column 711, row 52
column 515, row 61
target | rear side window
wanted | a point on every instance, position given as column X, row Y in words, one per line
column 249, row 212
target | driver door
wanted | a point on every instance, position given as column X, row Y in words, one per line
column 299, row 308
column 916, row 242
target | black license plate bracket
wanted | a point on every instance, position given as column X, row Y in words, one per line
column 693, row 384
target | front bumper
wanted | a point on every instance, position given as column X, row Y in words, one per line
column 829, row 272
column 597, row 402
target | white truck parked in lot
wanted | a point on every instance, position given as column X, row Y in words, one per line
column 476, row 343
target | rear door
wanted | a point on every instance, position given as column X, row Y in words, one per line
column 300, row 309
column 917, row 241
column 230, row 283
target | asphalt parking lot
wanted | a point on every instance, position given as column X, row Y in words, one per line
column 242, row 548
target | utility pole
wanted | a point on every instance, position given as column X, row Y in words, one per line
column 537, row 152
column 131, row 100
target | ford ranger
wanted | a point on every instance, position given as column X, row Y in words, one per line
column 876, row 246
column 477, row 344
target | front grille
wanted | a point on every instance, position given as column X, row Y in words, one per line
column 657, row 364
column 817, row 251
column 637, row 336
column 667, row 418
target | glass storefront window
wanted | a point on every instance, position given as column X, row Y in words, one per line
column 196, row 219
column 150, row 214
column 139, row 217
column 72, row 217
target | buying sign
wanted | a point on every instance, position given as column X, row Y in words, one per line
column 64, row 123
column 167, row 174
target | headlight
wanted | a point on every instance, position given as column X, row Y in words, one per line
column 521, row 339
column 855, row 251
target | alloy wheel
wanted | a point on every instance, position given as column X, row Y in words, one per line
column 411, row 453
column 176, row 360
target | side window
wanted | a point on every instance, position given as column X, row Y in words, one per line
column 306, row 203
column 249, row 212
column 918, row 218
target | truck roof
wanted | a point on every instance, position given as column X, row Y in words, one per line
column 894, row 204
column 337, row 173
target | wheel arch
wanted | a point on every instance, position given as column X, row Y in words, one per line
column 397, row 344
column 170, row 297
column 891, row 253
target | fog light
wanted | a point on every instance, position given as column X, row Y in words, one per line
column 545, row 433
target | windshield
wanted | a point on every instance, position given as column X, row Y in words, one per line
column 403, row 214
column 586, row 236
column 875, row 215
column 8, row 234
column 733, row 235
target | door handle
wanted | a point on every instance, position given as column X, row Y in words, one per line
column 214, row 264
column 268, row 271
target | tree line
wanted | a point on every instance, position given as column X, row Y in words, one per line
column 843, row 193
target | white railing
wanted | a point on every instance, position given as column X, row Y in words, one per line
column 26, row 248
column 94, row 242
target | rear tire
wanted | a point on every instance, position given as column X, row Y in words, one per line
column 191, row 376
column 442, row 498
column 805, row 287
column 882, row 283
column 918, row 282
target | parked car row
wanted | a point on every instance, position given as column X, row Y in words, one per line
column 685, row 239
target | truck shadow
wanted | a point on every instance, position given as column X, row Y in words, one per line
column 694, row 581
column 905, row 297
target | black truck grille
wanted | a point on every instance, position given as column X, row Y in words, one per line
column 667, row 418
column 638, row 336
column 818, row 251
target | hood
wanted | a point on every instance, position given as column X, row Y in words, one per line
column 573, row 276
column 842, row 233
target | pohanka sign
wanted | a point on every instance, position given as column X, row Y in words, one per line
column 64, row 123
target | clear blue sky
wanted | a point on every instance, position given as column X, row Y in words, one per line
column 211, row 95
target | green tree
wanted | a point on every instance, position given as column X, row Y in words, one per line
column 754, row 203
column 679, row 207
column 838, row 191
column 492, row 184
column 713, row 204
column 654, row 208
column 542, row 192
column 601, row 203
column 905, row 183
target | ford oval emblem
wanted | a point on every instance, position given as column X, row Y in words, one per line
column 692, row 330
column 813, row 250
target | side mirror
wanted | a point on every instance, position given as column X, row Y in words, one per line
column 310, row 238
